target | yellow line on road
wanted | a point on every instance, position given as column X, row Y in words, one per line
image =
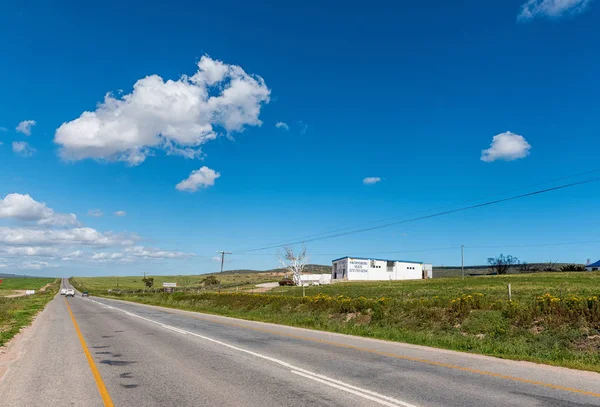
column 99, row 383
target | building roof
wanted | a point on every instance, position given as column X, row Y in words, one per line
column 596, row 264
column 367, row 258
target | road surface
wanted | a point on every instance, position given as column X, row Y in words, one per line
column 101, row 352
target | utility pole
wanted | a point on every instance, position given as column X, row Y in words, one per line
column 462, row 260
column 223, row 258
column 223, row 253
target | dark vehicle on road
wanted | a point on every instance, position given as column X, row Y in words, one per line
column 85, row 294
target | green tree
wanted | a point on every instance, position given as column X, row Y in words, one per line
column 149, row 281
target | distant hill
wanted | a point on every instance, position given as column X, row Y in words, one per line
column 310, row 268
column 15, row 276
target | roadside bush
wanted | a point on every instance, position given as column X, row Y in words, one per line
column 572, row 267
column 210, row 281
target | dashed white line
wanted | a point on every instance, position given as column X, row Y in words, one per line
column 338, row 384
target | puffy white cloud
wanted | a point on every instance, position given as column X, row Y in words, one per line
column 551, row 8
column 72, row 255
column 35, row 251
column 132, row 254
column 120, row 213
column 35, row 265
column 506, row 146
column 282, row 125
column 48, row 237
column 96, row 213
column 23, row 148
column 371, row 180
column 25, row 208
column 25, row 127
column 103, row 256
column 202, row 178
column 175, row 115
column 152, row 253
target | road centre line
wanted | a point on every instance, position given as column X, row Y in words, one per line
column 364, row 393
column 393, row 355
column 97, row 378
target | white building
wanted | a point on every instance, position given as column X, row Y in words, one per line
column 315, row 279
column 363, row 269
column 593, row 267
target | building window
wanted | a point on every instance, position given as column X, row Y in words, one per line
column 390, row 264
column 372, row 264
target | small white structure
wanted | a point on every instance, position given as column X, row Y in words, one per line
column 363, row 269
column 593, row 267
column 315, row 279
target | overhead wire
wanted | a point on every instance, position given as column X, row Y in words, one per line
column 428, row 210
column 438, row 214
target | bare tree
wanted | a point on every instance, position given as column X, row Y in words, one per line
column 549, row 266
column 502, row 263
column 294, row 263
column 525, row 267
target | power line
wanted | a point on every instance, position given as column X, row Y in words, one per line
column 282, row 242
column 462, row 209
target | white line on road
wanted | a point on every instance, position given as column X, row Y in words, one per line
column 349, row 390
column 338, row 384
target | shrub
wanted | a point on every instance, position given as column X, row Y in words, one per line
column 572, row 267
column 210, row 280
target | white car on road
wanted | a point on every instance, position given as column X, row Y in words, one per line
column 63, row 291
column 70, row 292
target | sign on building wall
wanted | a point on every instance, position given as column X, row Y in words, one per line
column 358, row 266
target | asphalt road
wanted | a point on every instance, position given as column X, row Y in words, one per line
column 151, row 356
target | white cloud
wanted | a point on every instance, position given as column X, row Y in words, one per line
column 132, row 254
column 23, row 148
column 36, row 251
column 152, row 253
column 282, row 125
column 371, row 180
column 3, row 129
column 72, row 255
column 96, row 213
column 25, row 208
column 177, row 116
column 15, row 236
column 103, row 256
column 202, row 178
column 506, row 146
column 35, row 265
column 25, row 127
column 551, row 8
column 303, row 127
column 120, row 213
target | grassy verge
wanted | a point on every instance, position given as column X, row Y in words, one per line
column 228, row 281
column 34, row 283
column 553, row 318
column 15, row 313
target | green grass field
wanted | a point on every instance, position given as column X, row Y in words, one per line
column 524, row 287
column 33, row 283
column 228, row 281
column 15, row 313
column 553, row 318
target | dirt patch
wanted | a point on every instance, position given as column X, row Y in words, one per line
column 590, row 344
column 15, row 293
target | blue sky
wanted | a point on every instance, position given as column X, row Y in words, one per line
column 406, row 94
